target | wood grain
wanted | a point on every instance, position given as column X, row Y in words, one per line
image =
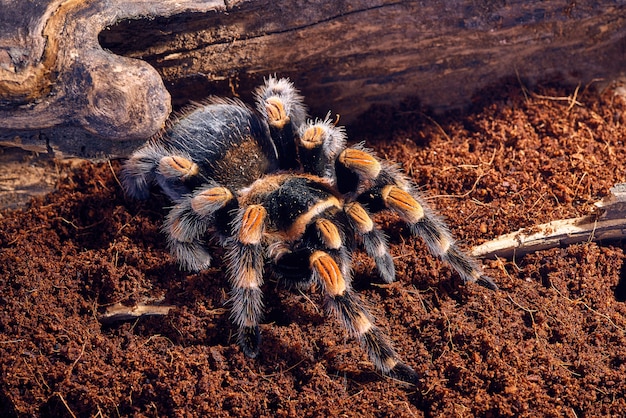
column 92, row 88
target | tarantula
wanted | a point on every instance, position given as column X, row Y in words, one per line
column 284, row 193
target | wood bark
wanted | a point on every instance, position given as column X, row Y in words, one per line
column 61, row 87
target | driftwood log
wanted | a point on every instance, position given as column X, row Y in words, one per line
column 95, row 77
column 59, row 88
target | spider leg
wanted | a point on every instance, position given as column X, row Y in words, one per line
column 245, row 273
column 291, row 264
column 347, row 307
column 374, row 241
column 283, row 108
column 318, row 145
column 188, row 221
column 138, row 172
column 152, row 164
column 354, row 168
column 323, row 258
column 380, row 186
column 424, row 223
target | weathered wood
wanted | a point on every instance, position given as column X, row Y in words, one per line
column 60, row 88
column 23, row 175
column 608, row 223
column 345, row 56
column 120, row 312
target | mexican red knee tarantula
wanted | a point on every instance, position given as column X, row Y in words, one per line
column 284, row 193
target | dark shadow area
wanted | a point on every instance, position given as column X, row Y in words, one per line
column 7, row 409
column 620, row 289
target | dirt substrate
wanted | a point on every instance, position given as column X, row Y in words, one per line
column 550, row 342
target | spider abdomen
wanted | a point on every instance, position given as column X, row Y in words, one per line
column 227, row 140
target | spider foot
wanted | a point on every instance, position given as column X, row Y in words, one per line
column 138, row 173
column 404, row 373
column 282, row 107
column 374, row 241
column 249, row 339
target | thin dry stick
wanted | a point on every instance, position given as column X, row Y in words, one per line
column 65, row 403
column 523, row 87
column 573, row 102
column 529, row 312
column 608, row 224
column 595, row 312
column 267, row 376
column 119, row 312
column 114, row 175
column 478, row 178
column 68, row 372
column 434, row 122
column 558, row 99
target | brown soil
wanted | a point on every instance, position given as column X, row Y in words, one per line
column 551, row 342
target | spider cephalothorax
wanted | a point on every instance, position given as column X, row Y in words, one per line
column 284, row 193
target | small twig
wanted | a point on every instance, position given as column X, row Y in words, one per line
column 267, row 376
column 79, row 228
column 65, row 403
column 571, row 105
column 560, row 99
column 119, row 312
column 449, row 329
column 308, row 299
column 594, row 311
column 68, row 372
column 114, row 175
column 434, row 122
column 519, row 80
column 608, row 224
column 11, row 341
column 530, row 312
column 479, row 177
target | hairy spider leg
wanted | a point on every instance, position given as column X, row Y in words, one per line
column 245, row 273
column 324, row 232
column 383, row 187
column 187, row 222
column 345, row 305
column 138, row 172
column 373, row 240
column 319, row 142
column 282, row 106
column 355, row 169
column 152, row 164
column 322, row 256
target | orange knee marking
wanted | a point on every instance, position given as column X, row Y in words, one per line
column 359, row 216
column 390, row 363
column 177, row 231
column 362, row 323
column 313, row 137
column 211, row 199
column 248, row 278
column 403, row 203
column 329, row 271
column 276, row 112
column 360, row 161
column 175, row 166
column 328, row 233
column 252, row 225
